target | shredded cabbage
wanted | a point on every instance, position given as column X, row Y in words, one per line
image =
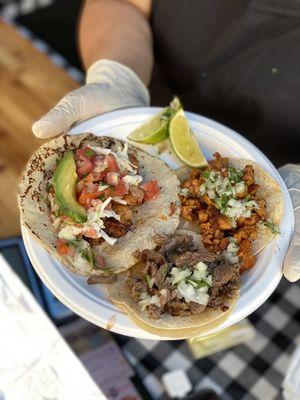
column 133, row 179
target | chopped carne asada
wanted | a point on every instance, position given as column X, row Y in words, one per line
column 179, row 279
column 223, row 201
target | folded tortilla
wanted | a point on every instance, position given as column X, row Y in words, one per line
column 269, row 190
column 167, row 325
column 158, row 216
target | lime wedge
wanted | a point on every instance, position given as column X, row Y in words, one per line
column 184, row 142
column 155, row 130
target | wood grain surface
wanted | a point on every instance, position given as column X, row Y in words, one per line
column 30, row 84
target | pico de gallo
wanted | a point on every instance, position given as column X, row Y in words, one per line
column 107, row 189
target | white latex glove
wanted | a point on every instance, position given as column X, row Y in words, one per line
column 109, row 86
column 291, row 175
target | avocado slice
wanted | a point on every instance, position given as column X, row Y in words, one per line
column 64, row 182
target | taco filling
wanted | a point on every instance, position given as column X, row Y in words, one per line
column 92, row 197
column 180, row 279
column 224, row 202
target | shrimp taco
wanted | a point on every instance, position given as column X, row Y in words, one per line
column 234, row 204
column 178, row 289
column 93, row 201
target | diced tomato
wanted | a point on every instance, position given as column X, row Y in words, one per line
column 100, row 168
column 91, row 233
column 100, row 261
column 120, row 190
column 151, row 189
column 85, row 198
column 112, row 178
column 112, row 164
column 84, row 166
column 100, row 176
column 63, row 248
column 89, row 178
column 85, row 152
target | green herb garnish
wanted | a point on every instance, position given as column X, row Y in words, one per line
column 235, row 175
column 85, row 254
column 197, row 283
column 206, row 174
column 164, row 269
column 150, row 281
column 89, row 153
column 274, row 228
column 107, row 270
column 221, row 202
column 73, row 243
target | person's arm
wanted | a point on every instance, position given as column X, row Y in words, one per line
column 117, row 30
column 116, row 47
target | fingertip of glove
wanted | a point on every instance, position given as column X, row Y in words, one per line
column 291, row 267
column 44, row 129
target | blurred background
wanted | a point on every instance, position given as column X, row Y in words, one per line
column 39, row 63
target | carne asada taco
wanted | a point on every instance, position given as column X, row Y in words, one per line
column 179, row 289
column 234, row 204
column 92, row 201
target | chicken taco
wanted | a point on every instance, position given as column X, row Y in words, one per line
column 178, row 289
column 93, row 201
column 234, row 204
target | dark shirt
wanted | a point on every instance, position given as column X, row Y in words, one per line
column 235, row 61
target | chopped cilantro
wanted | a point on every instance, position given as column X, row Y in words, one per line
column 107, row 270
column 102, row 197
column 164, row 269
column 275, row 229
column 222, row 202
column 197, row 283
column 89, row 153
column 85, row 254
column 150, row 281
column 84, row 176
column 235, row 175
column 206, row 174
column 73, row 243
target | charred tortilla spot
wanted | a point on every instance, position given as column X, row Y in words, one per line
column 172, row 208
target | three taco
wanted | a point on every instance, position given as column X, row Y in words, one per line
column 174, row 284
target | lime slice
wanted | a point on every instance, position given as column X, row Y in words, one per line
column 184, row 142
column 155, row 130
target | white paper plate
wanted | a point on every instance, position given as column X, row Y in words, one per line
column 91, row 303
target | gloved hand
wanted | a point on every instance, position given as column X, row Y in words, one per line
column 109, row 86
column 291, row 175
